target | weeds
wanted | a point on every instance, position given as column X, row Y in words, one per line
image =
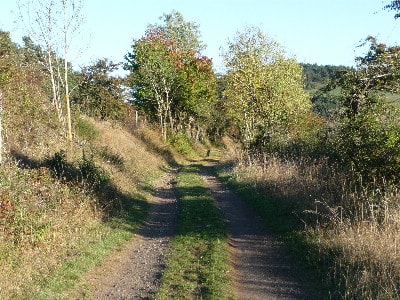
column 344, row 228
column 59, row 216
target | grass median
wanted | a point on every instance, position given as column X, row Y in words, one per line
column 198, row 266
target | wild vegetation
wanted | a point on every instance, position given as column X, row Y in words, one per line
column 78, row 154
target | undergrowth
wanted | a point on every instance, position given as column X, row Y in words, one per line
column 62, row 213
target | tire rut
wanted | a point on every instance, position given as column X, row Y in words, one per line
column 135, row 272
column 262, row 267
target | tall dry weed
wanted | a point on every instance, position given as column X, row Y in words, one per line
column 355, row 226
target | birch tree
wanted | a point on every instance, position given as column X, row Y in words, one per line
column 54, row 25
column 264, row 90
column 170, row 78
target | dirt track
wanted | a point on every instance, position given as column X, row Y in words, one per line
column 262, row 269
column 135, row 272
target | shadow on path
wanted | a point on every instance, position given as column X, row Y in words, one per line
column 262, row 267
column 135, row 272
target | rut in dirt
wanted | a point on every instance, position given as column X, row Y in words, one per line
column 262, row 267
column 136, row 271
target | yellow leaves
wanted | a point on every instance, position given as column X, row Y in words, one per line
column 263, row 87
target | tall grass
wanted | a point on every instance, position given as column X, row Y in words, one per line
column 348, row 229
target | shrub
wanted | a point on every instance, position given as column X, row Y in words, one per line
column 181, row 142
column 86, row 130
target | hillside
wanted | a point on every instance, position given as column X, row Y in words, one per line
column 64, row 205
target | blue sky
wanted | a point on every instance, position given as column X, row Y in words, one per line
column 314, row 31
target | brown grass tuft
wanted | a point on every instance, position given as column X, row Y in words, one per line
column 354, row 226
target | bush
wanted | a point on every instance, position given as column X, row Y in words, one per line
column 369, row 142
column 86, row 130
column 181, row 142
column 92, row 174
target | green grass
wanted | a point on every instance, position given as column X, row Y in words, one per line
column 197, row 267
column 108, row 237
column 72, row 270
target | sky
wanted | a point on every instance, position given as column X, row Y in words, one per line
column 325, row 32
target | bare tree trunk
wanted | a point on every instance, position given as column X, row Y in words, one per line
column 66, row 83
column 55, row 25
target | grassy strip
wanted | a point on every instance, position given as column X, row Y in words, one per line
column 198, row 264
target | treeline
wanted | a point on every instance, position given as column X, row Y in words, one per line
column 317, row 76
column 260, row 100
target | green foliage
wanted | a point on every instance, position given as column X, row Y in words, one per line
column 181, row 143
column 86, row 130
column 175, row 28
column 370, row 142
column 367, row 138
column 327, row 104
column 93, row 174
column 317, row 76
column 170, row 79
column 264, row 90
column 99, row 94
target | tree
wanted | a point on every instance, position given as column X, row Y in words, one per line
column 394, row 5
column 264, row 90
column 368, row 136
column 54, row 24
column 154, row 71
column 185, row 34
column 170, row 78
column 99, row 94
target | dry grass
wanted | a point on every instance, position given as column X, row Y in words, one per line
column 132, row 162
column 46, row 221
column 42, row 222
column 354, row 227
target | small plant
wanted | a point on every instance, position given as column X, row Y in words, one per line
column 92, row 174
column 181, row 142
column 86, row 130
column 57, row 164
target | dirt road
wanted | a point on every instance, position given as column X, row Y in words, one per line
column 262, row 268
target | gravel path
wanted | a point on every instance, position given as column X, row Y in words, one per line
column 134, row 273
column 262, row 268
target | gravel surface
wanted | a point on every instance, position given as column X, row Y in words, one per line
column 134, row 273
column 262, row 268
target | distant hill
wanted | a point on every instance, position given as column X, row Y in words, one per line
column 317, row 75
